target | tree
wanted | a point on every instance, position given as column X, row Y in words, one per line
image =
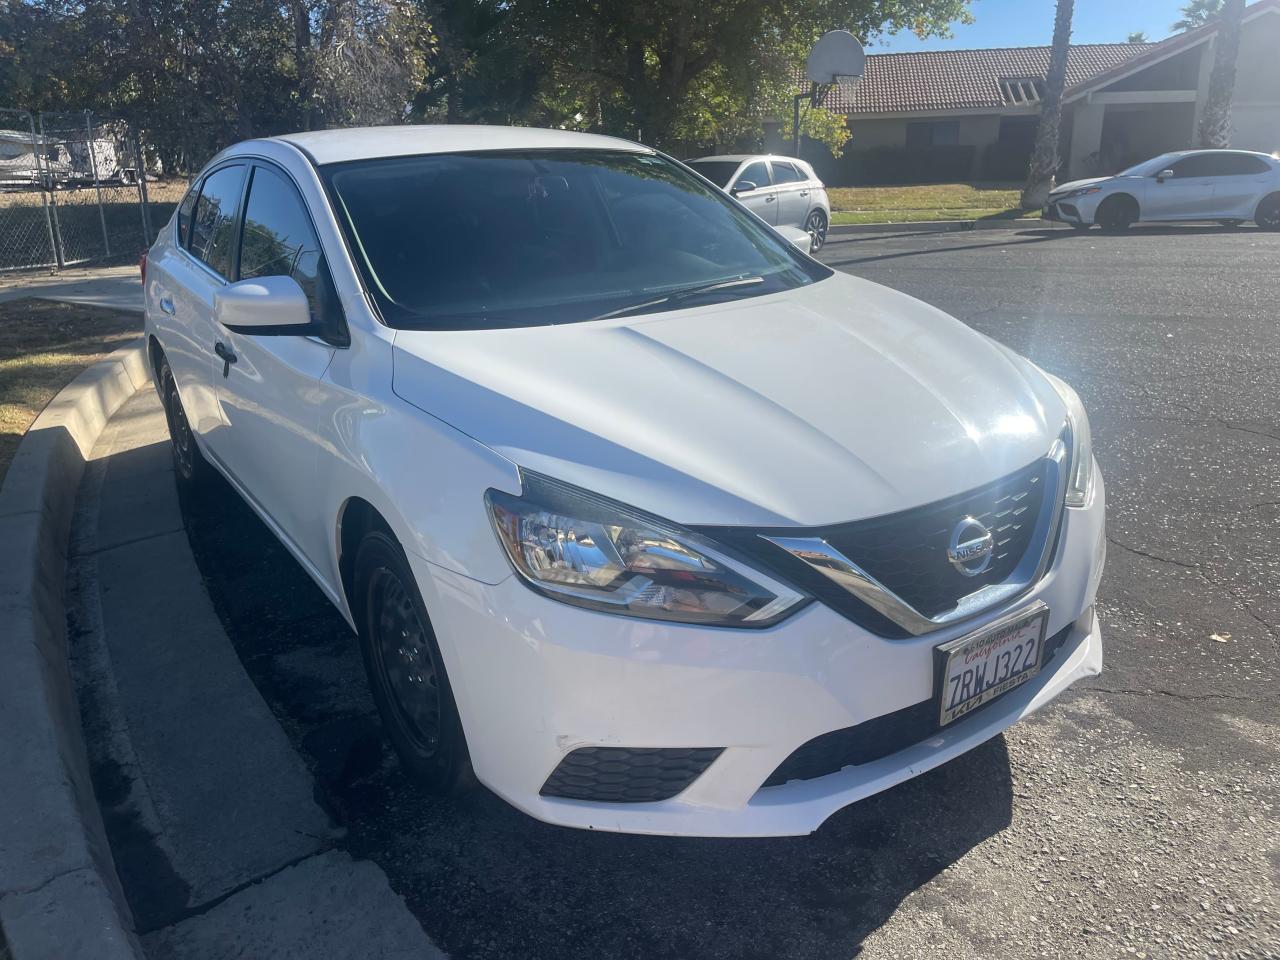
column 1137, row 36
column 1215, row 121
column 1044, row 158
column 1196, row 14
column 636, row 66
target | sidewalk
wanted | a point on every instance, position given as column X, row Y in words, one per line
column 119, row 288
column 219, row 843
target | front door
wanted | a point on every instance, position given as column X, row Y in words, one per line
column 271, row 395
column 1187, row 195
column 762, row 199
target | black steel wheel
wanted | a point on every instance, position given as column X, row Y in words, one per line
column 816, row 227
column 1117, row 214
column 189, row 464
column 1268, row 215
column 406, row 672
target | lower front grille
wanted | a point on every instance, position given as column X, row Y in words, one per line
column 628, row 774
column 877, row 738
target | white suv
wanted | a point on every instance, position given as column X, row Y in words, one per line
column 649, row 519
column 781, row 191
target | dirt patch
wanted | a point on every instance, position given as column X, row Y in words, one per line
column 43, row 345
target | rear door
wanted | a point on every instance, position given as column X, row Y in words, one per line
column 792, row 186
column 1188, row 194
column 1241, row 183
column 186, row 277
column 271, row 396
column 762, row 200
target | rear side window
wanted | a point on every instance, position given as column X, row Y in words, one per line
column 757, row 173
column 784, row 172
column 279, row 240
column 213, row 224
column 1243, row 165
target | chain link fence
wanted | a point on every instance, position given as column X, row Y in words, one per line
column 76, row 189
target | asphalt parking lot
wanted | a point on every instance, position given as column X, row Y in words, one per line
column 1134, row 817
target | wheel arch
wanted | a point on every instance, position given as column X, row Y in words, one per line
column 356, row 517
column 1272, row 197
column 1123, row 196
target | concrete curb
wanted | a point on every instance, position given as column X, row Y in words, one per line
column 935, row 226
column 59, row 894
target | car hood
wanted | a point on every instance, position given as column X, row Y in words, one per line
column 838, row 401
column 1077, row 184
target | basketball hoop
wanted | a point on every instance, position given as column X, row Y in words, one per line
column 836, row 60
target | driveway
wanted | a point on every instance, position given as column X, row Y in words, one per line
column 1134, row 817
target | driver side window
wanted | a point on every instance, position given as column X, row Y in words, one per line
column 757, row 173
column 279, row 240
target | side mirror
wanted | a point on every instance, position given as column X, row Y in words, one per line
column 263, row 305
column 742, row 186
column 1164, row 175
column 798, row 238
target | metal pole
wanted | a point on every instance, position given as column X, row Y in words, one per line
column 140, row 164
column 795, row 123
column 59, row 253
column 44, row 201
column 93, row 166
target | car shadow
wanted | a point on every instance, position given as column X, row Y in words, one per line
column 488, row 881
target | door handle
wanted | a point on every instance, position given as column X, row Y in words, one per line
column 770, row 198
column 226, row 356
column 166, row 305
column 804, row 193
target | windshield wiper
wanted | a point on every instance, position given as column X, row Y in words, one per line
column 676, row 296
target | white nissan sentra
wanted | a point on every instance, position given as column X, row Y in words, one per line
column 647, row 518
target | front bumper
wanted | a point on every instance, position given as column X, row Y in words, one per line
column 1078, row 210
column 535, row 679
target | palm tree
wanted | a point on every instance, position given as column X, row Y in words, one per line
column 1044, row 159
column 1215, row 121
column 1197, row 13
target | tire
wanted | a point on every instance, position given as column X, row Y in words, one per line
column 816, row 227
column 1268, row 214
column 406, row 672
column 1117, row 214
column 189, row 465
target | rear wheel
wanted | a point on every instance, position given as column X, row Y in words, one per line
column 406, row 673
column 1117, row 214
column 816, row 227
column 1268, row 215
column 189, row 464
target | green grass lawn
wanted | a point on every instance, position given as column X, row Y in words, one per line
column 935, row 201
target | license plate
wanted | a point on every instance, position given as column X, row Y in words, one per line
column 980, row 667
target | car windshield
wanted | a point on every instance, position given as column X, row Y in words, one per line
column 1149, row 167
column 498, row 239
column 719, row 172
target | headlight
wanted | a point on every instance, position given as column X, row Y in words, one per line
column 586, row 550
column 1082, row 192
column 1080, row 480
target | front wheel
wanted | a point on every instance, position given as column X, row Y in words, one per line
column 816, row 227
column 1268, row 215
column 1117, row 214
column 406, row 673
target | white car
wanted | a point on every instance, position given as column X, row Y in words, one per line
column 782, row 191
column 1224, row 186
column 641, row 514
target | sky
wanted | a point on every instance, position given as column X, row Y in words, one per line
column 1023, row 23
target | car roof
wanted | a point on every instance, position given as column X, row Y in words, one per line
column 1192, row 153
column 743, row 157
column 363, row 143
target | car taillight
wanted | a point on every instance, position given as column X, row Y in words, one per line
column 142, row 267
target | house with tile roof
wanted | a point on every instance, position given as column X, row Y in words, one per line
column 972, row 114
